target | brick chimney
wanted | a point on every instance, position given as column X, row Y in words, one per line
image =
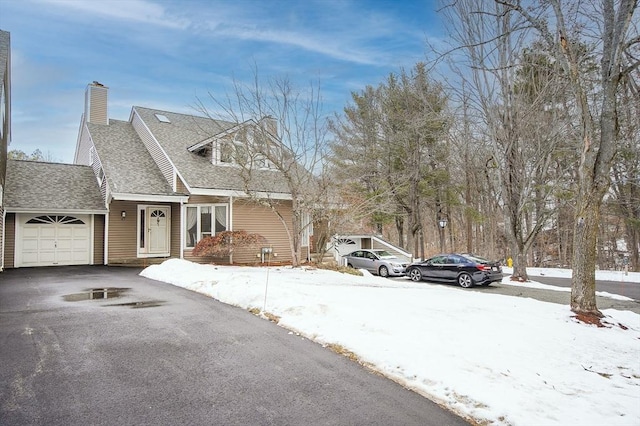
column 95, row 103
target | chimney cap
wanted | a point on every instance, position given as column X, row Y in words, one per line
column 96, row 83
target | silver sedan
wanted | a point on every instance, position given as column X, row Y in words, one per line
column 379, row 262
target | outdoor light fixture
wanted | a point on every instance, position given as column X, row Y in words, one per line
column 123, row 214
column 442, row 223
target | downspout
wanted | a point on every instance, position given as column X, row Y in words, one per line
column 92, row 239
column 106, row 238
column 182, row 228
column 230, row 227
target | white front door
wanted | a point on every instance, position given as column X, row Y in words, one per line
column 154, row 231
column 158, row 230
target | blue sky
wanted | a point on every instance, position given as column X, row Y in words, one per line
column 165, row 54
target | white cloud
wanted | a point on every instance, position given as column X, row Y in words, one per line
column 141, row 11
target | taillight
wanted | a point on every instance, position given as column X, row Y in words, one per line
column 483, row 267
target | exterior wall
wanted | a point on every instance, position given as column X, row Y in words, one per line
column 175, row 230
column 5, row 121
column 154, row 149
column 84, row 147
column 96, row 165
column 205, row 199
column 123, row 233
column 180, row 186
column 9, row 240
column 98, row 239
column 1, row 232
column 255, row 218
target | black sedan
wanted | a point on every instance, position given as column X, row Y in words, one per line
column 464, row 269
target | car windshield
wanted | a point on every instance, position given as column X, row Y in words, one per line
column 383, row 254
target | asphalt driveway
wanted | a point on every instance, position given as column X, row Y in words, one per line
column 154, row 354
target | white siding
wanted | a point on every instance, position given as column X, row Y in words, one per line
column 154, row 149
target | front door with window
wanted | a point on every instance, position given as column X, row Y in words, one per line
column 154, row 230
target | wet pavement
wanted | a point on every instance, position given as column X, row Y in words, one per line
column 77, row 349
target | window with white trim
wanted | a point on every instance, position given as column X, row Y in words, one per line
column 204, row 220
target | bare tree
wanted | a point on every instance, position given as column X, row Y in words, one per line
column 565, row 26
column 283, row 130
column 626, row 169
column 492, row 63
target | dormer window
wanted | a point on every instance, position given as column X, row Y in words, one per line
column 205, row 152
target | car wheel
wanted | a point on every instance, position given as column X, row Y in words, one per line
column 465, row 280
column 415, row 275
column 383, row 271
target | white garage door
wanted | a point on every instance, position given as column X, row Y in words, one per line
column 47, row 240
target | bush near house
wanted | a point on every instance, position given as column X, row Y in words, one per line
column 225, row 243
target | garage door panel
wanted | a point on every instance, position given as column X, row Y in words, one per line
column 46, row 231
column 30, row 232
column 48, row 240
column 47, row 244
column 30, row 245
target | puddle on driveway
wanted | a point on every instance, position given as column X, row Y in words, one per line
column 96, row 293
column 110, row 293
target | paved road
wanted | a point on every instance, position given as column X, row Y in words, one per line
column 553, row 296
column 622, row 288
column 161, row 355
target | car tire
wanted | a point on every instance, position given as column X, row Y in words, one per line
column 415, row 275
column 383, row 271
column 465, row 280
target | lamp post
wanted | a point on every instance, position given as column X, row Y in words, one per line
column 442, row 223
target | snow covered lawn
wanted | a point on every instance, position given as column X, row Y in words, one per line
column 498, row 359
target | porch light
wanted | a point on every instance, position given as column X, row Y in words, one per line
column 123, row 214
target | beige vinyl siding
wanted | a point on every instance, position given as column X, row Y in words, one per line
column 98, row 239
column 123, row 233
column 9, row 240
column 96, row 105
column 206, row 199
column 255, row 218
column 154, row 149
column 175, row 230
column 180, row 186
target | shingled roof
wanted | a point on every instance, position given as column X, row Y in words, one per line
column 184, row 131
column 127, row 164
column 51, row 187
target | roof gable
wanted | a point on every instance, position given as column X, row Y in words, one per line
column 127, row 165
column 183, row 133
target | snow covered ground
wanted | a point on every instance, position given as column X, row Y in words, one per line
column 497, row 359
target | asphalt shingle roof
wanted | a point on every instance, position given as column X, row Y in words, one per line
column 127, row 164
column 184, row 131
column 51, row 186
